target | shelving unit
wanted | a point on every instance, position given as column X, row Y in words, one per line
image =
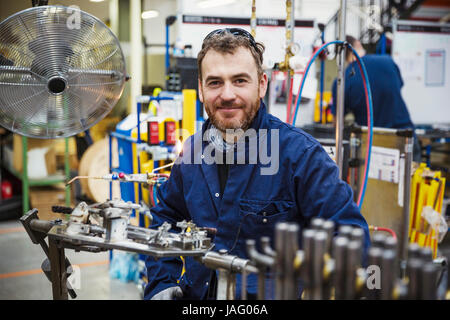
column 42, row 182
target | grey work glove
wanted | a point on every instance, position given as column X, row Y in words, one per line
column 168, row 294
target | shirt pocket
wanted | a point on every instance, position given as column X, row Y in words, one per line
column 258, row 217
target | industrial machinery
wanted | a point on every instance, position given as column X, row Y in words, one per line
column 105, row 226
column 328, row 266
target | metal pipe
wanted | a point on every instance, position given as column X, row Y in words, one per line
column 388, row 273
column 345, row 231
column 320, row 242
column 291, row 245
column 265, row 246
column 308, row 249
column 429, row 282
column 353, row 263
column 340, row 92
column 403, row 242
column 328, row 227
column 413, row 271
column 339, row 254
column 375, row 254
column 280, row 234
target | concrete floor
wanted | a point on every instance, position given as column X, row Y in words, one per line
column 21, row 277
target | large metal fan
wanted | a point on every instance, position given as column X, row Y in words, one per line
column 61, row 71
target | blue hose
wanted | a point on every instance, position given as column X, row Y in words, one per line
column 369, row 93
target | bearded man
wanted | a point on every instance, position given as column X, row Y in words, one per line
column 225, row 180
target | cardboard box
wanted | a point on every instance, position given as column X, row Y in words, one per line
column 43, row 198
column 54, row 156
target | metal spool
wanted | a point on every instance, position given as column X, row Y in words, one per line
column 62, row 70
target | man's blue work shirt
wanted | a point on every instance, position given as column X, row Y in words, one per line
column 389, row 108
column 304, row 185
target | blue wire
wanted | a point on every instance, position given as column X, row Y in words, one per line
column 369, row 93
column 155, row 197
column 306, row 73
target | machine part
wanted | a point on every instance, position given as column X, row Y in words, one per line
column 262, row 262
column 413, row 251
column 328, row 227
column 317, row 223
column 291, row 247
column 319, row 245
column 391, row 243
column 280, row 234
column 339, row 254
column 37, row 231
column 122, row 177
column 414, row 278
column 69, row 73
column 429, row 277
column 306, row 271
column 353, row 263
column 378, row 240
column 265, row 246
column 374, row 258
column 426, row 254
column 228, row 266
column 345, row 231
column 388, row 274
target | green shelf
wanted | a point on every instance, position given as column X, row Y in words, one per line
column 47, row 181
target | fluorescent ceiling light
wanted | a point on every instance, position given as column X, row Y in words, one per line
column 149, row 14
column 96, row 0
column 213, row 3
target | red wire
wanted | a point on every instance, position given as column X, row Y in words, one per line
column 392, row 233
column 289, row 106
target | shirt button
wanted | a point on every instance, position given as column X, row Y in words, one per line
column 206, row 284
column 217, row 195
column 202, row 156
column 264, row 220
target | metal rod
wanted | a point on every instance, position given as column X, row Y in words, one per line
column 340, row 91
column 280, row 233
column 58, row 269
column 403, row 242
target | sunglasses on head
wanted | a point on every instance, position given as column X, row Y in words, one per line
column 236, row 32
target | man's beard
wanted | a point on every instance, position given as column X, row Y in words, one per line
column 226, row 124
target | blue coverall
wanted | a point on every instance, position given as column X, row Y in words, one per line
column 306, row 185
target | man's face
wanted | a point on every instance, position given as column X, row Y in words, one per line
column 231, row 89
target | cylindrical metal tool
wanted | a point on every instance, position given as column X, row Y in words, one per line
column 373, row 286
column 345, row 231
column 320, row 242
column 353, row 263
column 339, row 254
column 429, row 281
column 413, row 271
column 280, row 274
column 388, row 273
column 308, row 249
column 378, row 240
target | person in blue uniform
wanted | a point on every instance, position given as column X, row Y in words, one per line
column 388, row 107
column 291, row 179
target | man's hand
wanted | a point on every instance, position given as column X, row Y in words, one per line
column 168, row 294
